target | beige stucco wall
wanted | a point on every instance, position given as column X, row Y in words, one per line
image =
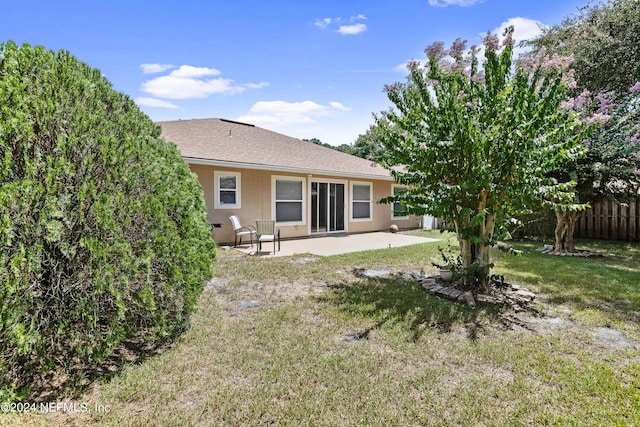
column 256, row 203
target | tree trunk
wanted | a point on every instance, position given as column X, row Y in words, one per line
column 476, row 257
column 483, row 250
column 565, row 227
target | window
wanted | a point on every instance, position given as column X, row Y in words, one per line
column 361, row 201
column 398, row 209
column 289, row 199
column 227, row 188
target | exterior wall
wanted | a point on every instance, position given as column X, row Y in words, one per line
column 256, row 202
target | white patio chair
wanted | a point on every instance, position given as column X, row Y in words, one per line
column 241, row 230
column 267, row 232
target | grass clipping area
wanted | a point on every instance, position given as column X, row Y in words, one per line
column 302, row 341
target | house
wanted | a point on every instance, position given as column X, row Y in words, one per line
column 308, row 189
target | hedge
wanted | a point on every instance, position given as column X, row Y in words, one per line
column 103, row 230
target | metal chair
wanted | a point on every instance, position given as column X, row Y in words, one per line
column 241, row 230
column 266, row 232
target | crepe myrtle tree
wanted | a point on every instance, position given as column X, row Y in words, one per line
column 474, row 144
column 611, row 167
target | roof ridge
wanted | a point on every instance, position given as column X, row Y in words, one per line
column 237, row 122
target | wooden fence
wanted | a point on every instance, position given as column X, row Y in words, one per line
column 610, row 220
column 607, row 220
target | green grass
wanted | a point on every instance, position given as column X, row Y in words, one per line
column 325, row 347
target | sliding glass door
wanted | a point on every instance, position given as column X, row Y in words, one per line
column 327, row 207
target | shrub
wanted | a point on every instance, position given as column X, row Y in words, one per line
column 103, row 232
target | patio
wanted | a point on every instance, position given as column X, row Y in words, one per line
column 337, row 244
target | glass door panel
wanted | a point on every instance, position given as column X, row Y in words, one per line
column 327, row 207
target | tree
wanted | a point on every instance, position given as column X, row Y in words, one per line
column 345, row 148
column 602, row 41
column 104, row 235
column 368, row 145
column 475, row 145
column 610, row 168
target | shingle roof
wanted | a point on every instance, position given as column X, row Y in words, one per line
column 225, row 142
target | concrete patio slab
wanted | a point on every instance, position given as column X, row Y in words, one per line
column 338, row 244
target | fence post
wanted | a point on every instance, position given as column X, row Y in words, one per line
column 633, row 219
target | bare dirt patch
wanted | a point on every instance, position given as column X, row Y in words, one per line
column 240, row 298
column 612, row 338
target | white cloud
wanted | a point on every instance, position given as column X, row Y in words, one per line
column 189, row 71
column 282, row 113
column 172, row 87
column 153, row 102
column 154, row 68
column 352, row 29
column 188, row 82
column 323, row 23
column 339, row 106
column 347, row 29
column 445, row 3
column 256, row 85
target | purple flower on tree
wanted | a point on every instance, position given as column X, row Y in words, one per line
column 435, row 50
column 567, row 105
column 558, row 62
column 605, row 105
column 395, row 87
column 413, row 65
column 457, row 48
column 491, row 41
column 569, row 79
column 508, row 36
column 635, row 88
column 600, row 118
column 583, row 99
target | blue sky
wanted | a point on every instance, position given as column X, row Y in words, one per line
column 308, row 69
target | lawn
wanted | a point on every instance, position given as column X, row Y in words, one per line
column 303, row 341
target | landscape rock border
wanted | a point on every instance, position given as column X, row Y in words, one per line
column 501, row 293
column 549, row 249
column 511, row 295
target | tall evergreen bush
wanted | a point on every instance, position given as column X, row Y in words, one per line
column 103, row 231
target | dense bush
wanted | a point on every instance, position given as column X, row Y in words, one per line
column 103, row 233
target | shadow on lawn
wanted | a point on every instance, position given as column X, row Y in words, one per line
column 59, row 385
column 609, row 283
column 405, row 303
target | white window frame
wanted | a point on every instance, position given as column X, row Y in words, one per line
column 274, row 201
column 217, row 203
column 393, row 192
column 353, row 200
